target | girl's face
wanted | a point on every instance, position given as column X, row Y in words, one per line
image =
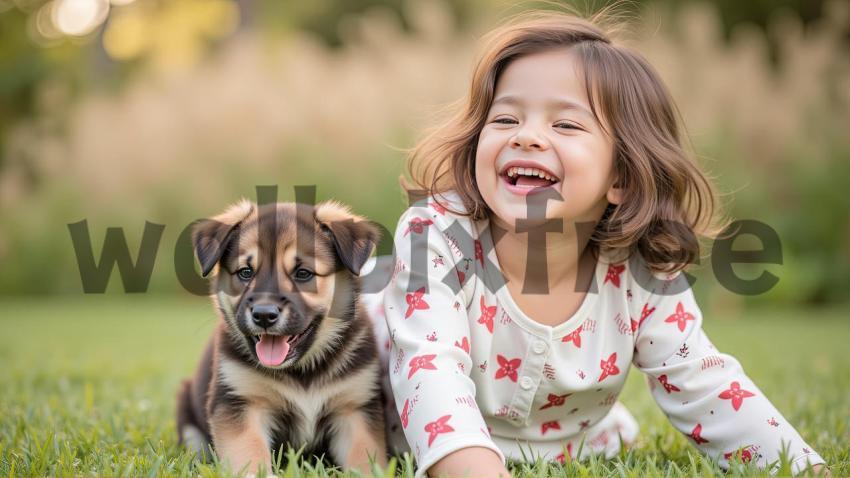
column 540, row 138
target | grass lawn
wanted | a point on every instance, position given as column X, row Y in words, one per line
column 88, row 386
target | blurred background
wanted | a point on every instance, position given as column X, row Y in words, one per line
column 124, row 112
column 120, row 112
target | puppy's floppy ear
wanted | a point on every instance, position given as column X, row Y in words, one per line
column 353, row 236
column 213, row 237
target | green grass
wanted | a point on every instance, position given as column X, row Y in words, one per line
column 88, row 386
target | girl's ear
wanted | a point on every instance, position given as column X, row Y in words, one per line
column 615, row 194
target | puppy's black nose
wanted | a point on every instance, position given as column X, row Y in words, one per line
column 265, row 315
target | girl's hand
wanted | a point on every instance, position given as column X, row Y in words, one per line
column 821, row 470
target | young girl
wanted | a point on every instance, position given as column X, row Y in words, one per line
column 547, row 258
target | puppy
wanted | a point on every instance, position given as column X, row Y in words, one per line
column 293, row 360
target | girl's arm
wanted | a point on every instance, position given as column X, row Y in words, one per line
column 705, row 393
column 473, row 461
column 430, row 358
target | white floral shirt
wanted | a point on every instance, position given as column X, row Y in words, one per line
column 469, row 368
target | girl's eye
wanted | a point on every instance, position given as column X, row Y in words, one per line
column 505, row 121
column 566, row 126
column 245, row 273
column 303, row 275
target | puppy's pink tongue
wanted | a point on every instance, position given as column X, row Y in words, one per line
column 272, row 349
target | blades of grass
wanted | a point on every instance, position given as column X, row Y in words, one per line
column 293, row 468
column 155, row 470
column 278, row 459
column 408, row 467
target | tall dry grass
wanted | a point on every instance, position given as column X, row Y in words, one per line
column 170, row 146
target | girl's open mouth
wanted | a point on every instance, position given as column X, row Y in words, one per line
column 523, row 181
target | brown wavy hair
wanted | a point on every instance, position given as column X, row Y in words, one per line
column 668, row 202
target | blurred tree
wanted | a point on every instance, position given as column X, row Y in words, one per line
column 810, row 217
column 24, row 65
column 759, row 12
column 323, row 17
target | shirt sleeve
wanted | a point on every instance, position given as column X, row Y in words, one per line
column 429, row 357
column 705, row 393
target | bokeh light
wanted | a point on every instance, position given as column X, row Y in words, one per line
column 127, row 36
column 79, row 17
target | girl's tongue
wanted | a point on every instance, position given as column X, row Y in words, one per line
column 272, row 349
column 532, row 181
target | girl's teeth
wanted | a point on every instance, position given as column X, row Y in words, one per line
column 516, row 171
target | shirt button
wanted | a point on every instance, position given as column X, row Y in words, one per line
column 526, row 383
column 539, row 347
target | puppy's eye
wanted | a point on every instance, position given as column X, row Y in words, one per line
column 245, row 273
column 302, row 275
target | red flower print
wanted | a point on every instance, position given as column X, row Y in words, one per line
column 583, row 424
column 479, row 252
column 464, row 344
column 574, row 336
column 438, row 207
column 487, row 314
column 405, row 413
column 695, row 435
column 421, row 362
column 553, row 425
column 644, row 314
column 441, row 425
column 562, row 458
column 736, row 394
column 417, row 225
column 668, row 387
column 555, row 400
column 613, row 275
column 744, row 453
column 460, row 276
column 415, row 302
column 680, row 317
column 609, row 367
column 507, row 368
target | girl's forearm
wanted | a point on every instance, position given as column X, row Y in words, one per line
column 470, row 462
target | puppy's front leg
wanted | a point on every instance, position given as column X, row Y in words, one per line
column 359, row 437
column 240, row 437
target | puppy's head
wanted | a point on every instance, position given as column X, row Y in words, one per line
column 284, row 276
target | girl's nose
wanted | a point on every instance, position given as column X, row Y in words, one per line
column 528, row 138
